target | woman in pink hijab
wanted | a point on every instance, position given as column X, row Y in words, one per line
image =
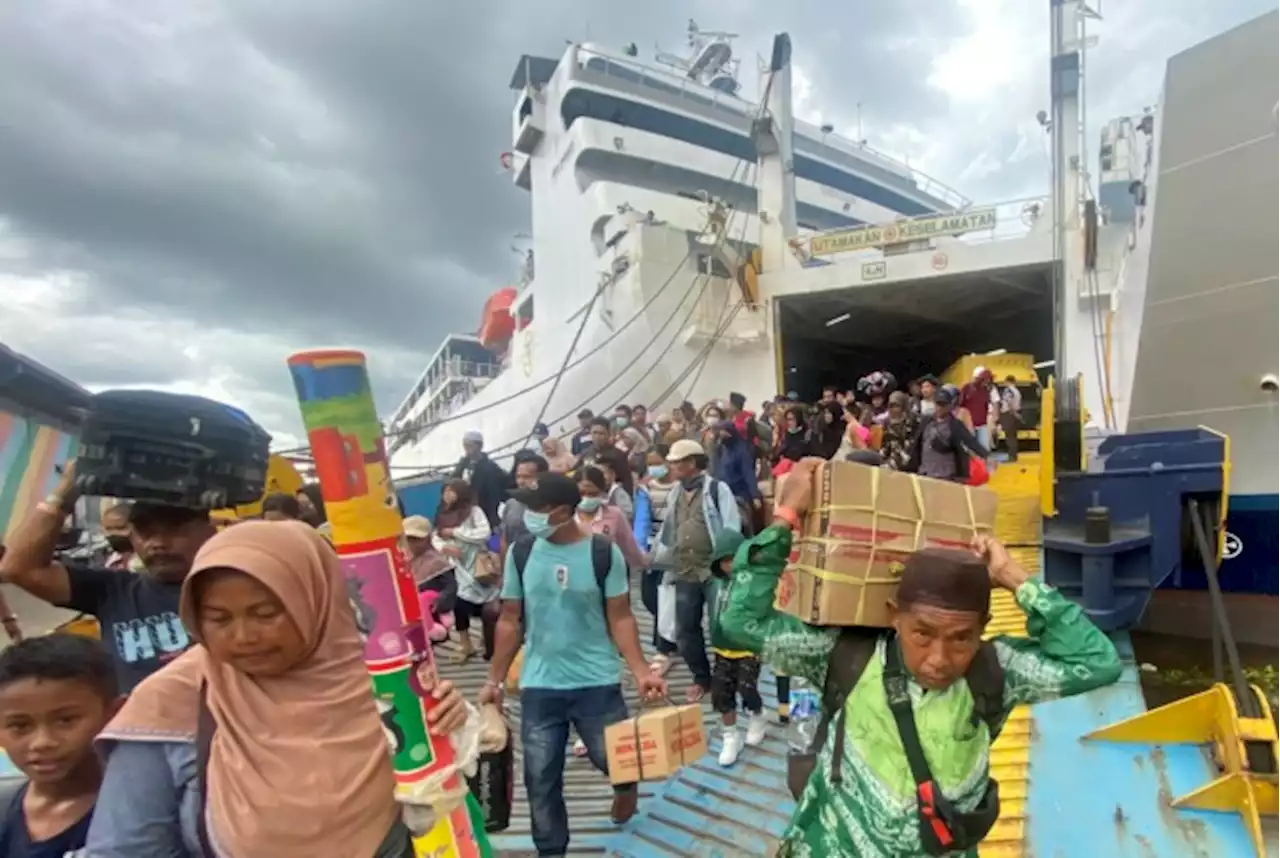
column 295, row 757
column 559, row 459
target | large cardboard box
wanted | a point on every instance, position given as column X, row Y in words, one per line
column 655, row 744
column 862, row 524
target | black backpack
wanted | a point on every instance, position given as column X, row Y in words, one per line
column 942, row 828
column 601, row 558
column 172, row 449
column 744, row 509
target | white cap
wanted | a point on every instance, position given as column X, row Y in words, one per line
column 417, row 526
column 684, row 449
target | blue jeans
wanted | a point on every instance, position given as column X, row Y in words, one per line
column 545, row 717
column 649, row 595
column 691, row 604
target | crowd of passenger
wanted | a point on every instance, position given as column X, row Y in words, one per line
column 229, row 656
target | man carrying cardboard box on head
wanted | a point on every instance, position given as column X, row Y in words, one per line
column 874, row 681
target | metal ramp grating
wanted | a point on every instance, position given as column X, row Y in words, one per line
column 706, row 811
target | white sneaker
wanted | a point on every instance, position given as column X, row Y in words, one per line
column 755, row 729
column 732, row 747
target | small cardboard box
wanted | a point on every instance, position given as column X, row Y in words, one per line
column 862, row 524
column 655, row 743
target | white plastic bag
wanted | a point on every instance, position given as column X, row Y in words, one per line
column 667, row 612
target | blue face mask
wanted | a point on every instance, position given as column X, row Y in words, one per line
column 589, row 504
column 539, row 524
column 657, row 471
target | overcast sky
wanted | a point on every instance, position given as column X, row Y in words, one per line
column 190, row 191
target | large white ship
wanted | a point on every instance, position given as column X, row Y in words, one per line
column 621, row 159
column 650, row 193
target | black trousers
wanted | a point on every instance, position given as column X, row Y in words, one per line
column 464, row 612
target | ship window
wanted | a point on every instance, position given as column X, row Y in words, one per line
column 580, row 103
column 524, row 313
column 708, row 264
column 526, row 108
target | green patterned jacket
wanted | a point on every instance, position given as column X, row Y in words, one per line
column 873, row 813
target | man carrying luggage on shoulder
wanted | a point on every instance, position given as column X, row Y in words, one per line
column 909, row 775
column 137, row 612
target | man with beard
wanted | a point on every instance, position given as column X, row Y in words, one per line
column 138, row 613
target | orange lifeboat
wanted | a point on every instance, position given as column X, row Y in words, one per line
column 496, row 323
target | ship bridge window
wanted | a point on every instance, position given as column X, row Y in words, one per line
column 708, row 264
column 526, row 108
column 911, row 328
column 580, row 103
column 524, row 313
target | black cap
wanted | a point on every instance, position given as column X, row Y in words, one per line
column 541, row 430
column 944, row 395
column 551, row 490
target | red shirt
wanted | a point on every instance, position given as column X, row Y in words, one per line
column 976, row 400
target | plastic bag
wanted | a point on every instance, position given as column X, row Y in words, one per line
column 667, row 612
column 493, row 783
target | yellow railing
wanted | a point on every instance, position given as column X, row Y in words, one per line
column 1047, row 467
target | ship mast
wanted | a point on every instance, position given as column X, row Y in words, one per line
column 1068, row 41
column 772, row 133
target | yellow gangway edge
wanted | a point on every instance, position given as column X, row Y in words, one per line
column 1018, row 521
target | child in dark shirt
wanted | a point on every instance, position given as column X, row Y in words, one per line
column 56, row 693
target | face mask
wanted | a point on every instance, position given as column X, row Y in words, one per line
column 589, row 504
column 657, row 471
column 539, row 524
column 620, row 422
column 119, row 544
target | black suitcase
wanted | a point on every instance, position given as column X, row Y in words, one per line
column 172, row 449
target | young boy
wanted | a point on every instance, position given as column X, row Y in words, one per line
column 736, row 673
column 56, row 693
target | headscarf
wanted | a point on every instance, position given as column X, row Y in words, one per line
column 559, row 460
column 298, row 762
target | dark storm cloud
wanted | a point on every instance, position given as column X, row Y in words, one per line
column 324, row 167
column 302, row 172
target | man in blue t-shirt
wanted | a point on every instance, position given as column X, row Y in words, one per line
column 571, row 674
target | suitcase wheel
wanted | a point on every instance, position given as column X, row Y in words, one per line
column 87, row 484
column 213, row 499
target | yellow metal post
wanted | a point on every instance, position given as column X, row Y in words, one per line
column 1047, row 464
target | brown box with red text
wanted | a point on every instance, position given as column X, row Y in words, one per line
column 654, row 744
column 862, row 524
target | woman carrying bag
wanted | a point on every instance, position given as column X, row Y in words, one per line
column 462, row 533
